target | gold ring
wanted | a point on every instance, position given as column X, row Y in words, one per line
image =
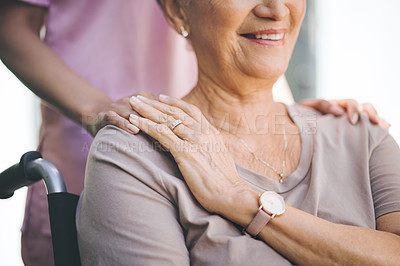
column 175, row 124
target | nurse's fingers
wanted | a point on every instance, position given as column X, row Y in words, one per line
column 324, row 106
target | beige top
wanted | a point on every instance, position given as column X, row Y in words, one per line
column 137, row 210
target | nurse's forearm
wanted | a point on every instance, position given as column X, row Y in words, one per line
column 40, row 69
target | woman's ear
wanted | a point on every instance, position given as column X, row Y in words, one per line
column 175, row 16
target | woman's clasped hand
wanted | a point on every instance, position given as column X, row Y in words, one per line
column 199, row 150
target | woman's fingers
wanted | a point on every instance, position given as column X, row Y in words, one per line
column 171, row 110
column 166, row 113
column 200, row 121
column 160, row 132
column 176, row 120
column 189, row 109
column 149, row 111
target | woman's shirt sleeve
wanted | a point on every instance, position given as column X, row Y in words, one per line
column 122, row 217
column 385, row 173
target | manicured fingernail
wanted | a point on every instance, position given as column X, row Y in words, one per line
column 133, row 128
column 133, row 118
column 135, row 99
column 337, row 110
column 142, row 98
column 376, row 118
column 354, row 119
column 163, row 97
column 388, row 125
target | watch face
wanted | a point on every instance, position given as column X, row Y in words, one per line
column 272, row 203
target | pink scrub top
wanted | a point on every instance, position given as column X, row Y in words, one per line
column 121, row 47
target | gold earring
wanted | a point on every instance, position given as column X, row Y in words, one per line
column 184, row 32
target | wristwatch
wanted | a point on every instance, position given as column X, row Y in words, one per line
column 271, row 205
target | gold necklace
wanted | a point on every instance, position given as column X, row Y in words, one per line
column 280, row 174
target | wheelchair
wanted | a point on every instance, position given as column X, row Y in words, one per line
column 62, row 205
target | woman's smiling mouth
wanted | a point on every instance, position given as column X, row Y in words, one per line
column 272, row 37
column 267, row 37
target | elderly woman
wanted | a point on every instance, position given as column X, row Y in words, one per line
column 238, row 178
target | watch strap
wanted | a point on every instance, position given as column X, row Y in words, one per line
column 258, row 222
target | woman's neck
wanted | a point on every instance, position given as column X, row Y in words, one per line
column 250, row 115
column 242, row 112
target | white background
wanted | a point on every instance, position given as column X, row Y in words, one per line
column 18, row 134
column 358, row 52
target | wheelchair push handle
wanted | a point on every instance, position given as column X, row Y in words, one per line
column 17, row 175
column 29, row 170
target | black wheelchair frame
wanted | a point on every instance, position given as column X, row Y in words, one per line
column 62, row 205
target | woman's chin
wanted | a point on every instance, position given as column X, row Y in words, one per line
column 267, row 72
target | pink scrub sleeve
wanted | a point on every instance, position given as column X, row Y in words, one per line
column 120, row 47
column 44, row 3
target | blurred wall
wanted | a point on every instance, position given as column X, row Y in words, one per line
column 301, row 71
column 18, row 133
column 358, row 54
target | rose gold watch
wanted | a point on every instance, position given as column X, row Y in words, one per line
column 271, row 205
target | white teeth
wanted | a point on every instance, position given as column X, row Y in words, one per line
column 272, row 37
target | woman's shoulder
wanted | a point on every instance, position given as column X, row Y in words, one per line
column 338, row 127
column 114, row 144
column 113, row 139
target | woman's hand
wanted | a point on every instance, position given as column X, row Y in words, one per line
column 198, row 149
column 349, row 106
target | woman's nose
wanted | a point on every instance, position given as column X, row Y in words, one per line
column 272, row 9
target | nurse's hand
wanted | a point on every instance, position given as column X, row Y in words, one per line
column 348, row 106
column 117, row 114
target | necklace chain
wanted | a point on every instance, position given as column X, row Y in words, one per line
column 280, row 174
